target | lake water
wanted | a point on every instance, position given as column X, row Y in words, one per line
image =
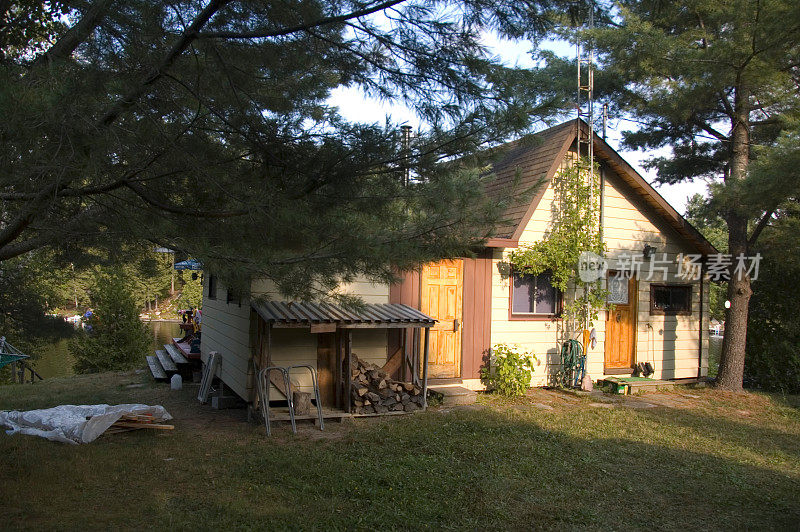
column 714, row 351
column 56, row 360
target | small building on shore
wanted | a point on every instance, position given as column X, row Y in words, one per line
column 657, row 315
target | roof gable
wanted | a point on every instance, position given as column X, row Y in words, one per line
column 537, row 160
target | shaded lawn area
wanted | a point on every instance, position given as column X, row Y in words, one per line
column 542, row 462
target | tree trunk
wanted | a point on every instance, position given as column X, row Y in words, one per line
column 731, row 365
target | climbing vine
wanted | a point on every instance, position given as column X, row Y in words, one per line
column 575, row 228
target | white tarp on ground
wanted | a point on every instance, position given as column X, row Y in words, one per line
column 74, row 423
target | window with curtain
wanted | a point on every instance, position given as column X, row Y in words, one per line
column 534, row 295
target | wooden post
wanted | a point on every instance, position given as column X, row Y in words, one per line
column 348, row 351
column 338, row 376
column 415, row 357
column 326, row 367
column 404, row 347
column 425, row 370
column 269, row 344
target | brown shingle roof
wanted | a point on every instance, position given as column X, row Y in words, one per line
column 526, row 163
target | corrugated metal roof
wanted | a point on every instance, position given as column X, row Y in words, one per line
column 377, row 315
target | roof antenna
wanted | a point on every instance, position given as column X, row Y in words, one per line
column 585, row 100
column 406, row 153
column 585, row 104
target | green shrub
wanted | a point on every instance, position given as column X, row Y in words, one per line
column 117, row 338
column 508, row 370
column 192, row 290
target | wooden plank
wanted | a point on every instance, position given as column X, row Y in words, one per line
column 134, row 425
column 166, row 362
column 476, row 339
column 348, row 372
column 282, row 414
column 155, row 368
column 175, row 354
column 276, row 378
column 214, row 360
column 338, row 380
column 394, row 362
column 116, row 430
column 317, row 328
column 185, row 348
column 326, row 367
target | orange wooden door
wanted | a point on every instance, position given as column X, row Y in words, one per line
column 620, row 325
column 441, row 298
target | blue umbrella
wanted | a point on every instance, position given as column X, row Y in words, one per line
column 189, row 264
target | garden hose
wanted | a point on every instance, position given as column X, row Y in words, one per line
column 573, row 363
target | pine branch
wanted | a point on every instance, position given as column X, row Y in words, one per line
column 77, row 34
column 9, row 251
column 263, row 34
column 174, row 209
column 762, row 223
column 186, row 38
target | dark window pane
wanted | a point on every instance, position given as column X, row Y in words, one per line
column 545, row 295
column 532, row 294
column 523, row 293
column 671, row 299
column 660, row 297
column 212, row 286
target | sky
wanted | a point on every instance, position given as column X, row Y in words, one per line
column 354, row 106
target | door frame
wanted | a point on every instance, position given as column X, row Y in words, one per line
column 460, row 366
column 633, row 302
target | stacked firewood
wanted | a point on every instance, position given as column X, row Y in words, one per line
column 373, row 392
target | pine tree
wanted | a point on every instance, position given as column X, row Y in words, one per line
column 116, row 338
column 718, row 82
column 204, row 127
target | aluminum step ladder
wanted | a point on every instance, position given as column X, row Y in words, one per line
column 263, row 385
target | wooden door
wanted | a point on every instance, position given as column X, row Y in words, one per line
column 441, row 298
column 620, row 325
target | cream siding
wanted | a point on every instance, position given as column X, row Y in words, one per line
column 669, row 342
column 228, row 329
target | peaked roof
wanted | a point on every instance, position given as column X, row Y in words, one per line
column 530, row 162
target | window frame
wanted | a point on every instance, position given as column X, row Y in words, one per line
column 532, row 316
column 655, row 311
column 233, row 296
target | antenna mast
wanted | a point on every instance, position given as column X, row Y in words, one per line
column 585, row 139
column 585, row 100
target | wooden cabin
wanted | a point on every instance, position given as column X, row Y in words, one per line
column 478, row 302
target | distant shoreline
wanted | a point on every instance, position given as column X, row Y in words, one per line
column 171, row 320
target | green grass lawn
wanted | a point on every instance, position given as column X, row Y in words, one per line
column 547, row 461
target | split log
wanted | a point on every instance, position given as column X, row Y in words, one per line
column 373, row 391
column 302, row 403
